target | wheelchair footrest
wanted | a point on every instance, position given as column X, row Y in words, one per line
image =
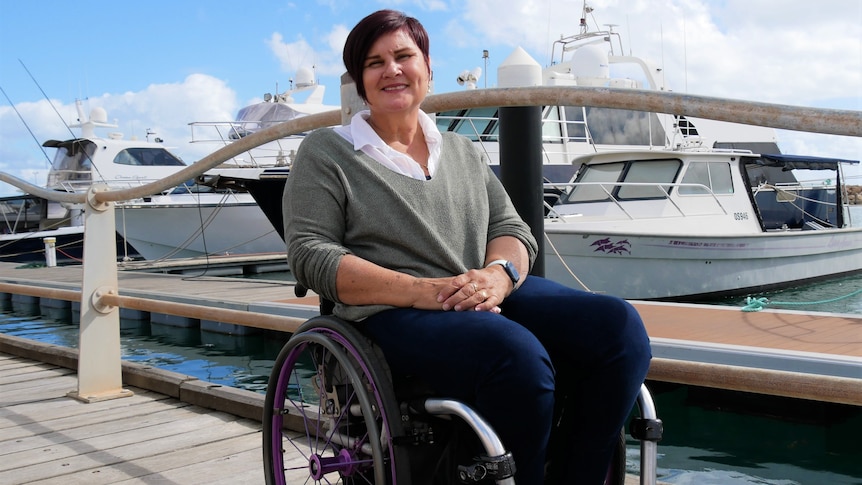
column 494, row 467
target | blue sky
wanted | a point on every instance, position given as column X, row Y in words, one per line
column 160, row 65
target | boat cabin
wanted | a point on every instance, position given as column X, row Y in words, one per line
column 80, row 162
column 704, row 191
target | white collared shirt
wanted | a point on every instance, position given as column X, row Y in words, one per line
column 364, row 138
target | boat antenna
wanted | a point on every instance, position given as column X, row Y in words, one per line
column 84, row 152
column 26, row 125
column 584, row 12
column 46, row 97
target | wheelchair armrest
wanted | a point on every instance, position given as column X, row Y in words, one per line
column 326, row 306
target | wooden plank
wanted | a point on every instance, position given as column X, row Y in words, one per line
column 123, row 446
column 23, row 375
column 58, row 407
column 114, row 415
column 783, row 330
column 138, row 417
column 239, row 455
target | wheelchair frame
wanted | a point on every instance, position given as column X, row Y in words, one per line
column 332, row 384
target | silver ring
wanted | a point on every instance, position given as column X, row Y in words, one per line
column 475, row 288
column 484, row 295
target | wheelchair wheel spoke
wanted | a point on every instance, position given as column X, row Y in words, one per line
column 324, row 379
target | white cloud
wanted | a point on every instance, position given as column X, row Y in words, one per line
column 165, row 109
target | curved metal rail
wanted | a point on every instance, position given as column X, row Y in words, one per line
column 815, row 120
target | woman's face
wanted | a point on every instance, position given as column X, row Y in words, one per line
column 395, row 74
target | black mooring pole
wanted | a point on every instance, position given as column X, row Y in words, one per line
column 521, row 170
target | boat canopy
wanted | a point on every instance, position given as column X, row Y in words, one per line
column 797, row 162
column 262, row 115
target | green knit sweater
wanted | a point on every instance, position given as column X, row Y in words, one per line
column 340, row 201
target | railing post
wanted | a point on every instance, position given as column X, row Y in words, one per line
column 521, row 149
column 100, row 375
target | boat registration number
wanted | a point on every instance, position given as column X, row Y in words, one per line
column 740, row 216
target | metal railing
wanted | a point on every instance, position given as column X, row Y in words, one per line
column 662, row 192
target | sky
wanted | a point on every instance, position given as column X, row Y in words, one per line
column 160, row 65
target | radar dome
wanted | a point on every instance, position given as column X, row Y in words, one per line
column 304, row 77
column 98, row 115
column 591, row 62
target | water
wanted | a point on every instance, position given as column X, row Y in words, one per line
column 727, row 439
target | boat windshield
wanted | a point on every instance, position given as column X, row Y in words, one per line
column 710, row 177
column 475, row 123
column 608, row 126
column 148, row 157
column 72, row 162
column 627, row 180
column 602, row 126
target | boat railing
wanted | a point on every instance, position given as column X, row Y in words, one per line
column 82, row 186
column 484, row 132
column 805, row 201
column 660, row 191
column 278, row 153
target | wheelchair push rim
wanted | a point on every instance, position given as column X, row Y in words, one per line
column 340, row 406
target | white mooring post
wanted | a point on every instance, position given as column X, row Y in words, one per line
column 50, row 251
column 100, row 375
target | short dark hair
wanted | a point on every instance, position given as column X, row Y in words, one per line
column 371, row 28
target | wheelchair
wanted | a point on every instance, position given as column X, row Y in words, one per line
column 335, row 413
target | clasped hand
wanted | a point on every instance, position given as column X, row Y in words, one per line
column 477, row 289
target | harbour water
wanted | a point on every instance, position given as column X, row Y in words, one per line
column 710, row 437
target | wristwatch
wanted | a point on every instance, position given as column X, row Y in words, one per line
column 510, row 270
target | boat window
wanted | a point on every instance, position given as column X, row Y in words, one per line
column 149, row 157
column 74, row 156
column 686, row 127
column 575, row 126
column 552, row 130
column 476, row 123
column 72, row 162
column 655, row 173
column 624, row 127
column 590, row 190
column 714, row 176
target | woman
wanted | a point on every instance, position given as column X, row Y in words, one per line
column 410, row 233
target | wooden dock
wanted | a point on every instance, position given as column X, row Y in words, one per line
column 178, row 429
column 806, row 355
column 48, row 438
column 190, row 436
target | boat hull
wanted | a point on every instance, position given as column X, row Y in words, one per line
column 191, row 230
column 687, row 268
column 69, row 243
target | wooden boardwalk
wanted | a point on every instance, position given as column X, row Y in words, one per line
column 170, row 437
column 48, row 438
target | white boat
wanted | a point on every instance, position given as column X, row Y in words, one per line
column 78, row 163
column 589, row 58
column 275, row 109
column 596, row 59
column 194, row 224
column 692, row 224
column 229, row 222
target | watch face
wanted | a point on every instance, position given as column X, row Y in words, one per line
column 513, row 273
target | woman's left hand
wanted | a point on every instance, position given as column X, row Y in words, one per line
column 477, row 289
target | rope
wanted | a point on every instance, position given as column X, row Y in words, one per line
column 560, row 257
column 757, row 304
